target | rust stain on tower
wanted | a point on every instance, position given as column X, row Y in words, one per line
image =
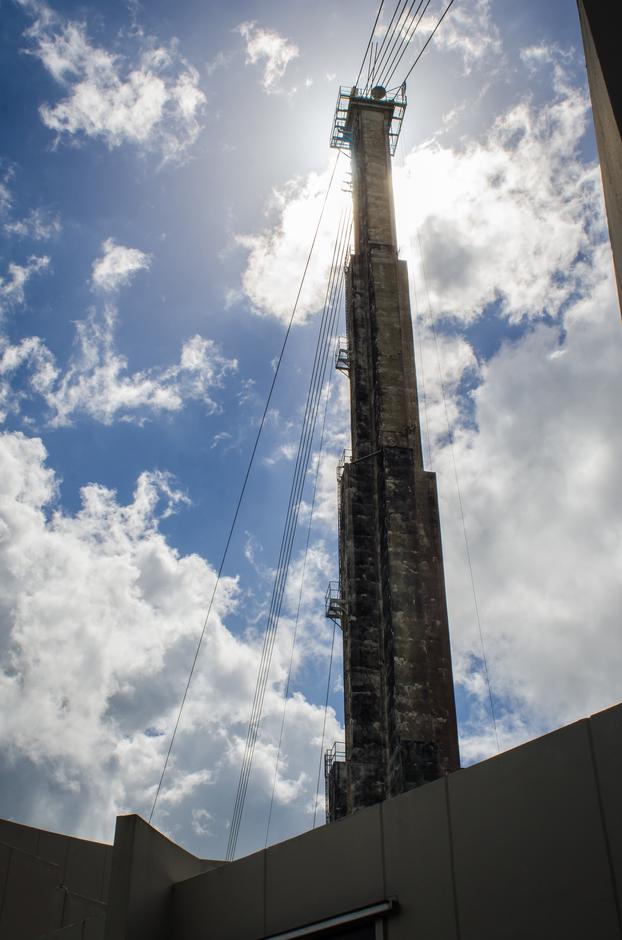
column 399, row 700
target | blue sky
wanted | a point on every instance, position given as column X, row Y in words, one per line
column 162, row 170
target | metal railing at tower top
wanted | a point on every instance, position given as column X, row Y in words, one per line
column 341, row 133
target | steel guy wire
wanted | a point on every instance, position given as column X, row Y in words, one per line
column 429, row 39
column 379, row 51
column 414, row 26
column 391, row 39
column 282, row 571
column 300, row 593
column 243, row 489
column 272, row 621
column 279, row 586
column 367, row 50
column 275, row 601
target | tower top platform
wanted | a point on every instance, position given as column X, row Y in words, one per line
column 341, row 133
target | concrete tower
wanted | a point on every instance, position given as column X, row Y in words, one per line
column 399, row 699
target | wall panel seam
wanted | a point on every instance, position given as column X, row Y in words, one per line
column 603, row 820
column 452, row 860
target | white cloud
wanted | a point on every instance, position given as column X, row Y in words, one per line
column 99, row 617
column 117, row 600
column 285, row 451
column 443, row 362
column 277, row 255
column 32, row 354
column 519, row 193
column 153, row 103
column 184, row 787
column 117, row 265
column 539, row 481
column 6, row 199
column 469, row 30
column 201, row 822
column 38, row 225
column 13, row 283
column 543, row 54
column 97, row 382
column 275, row 52
column 220, row 61
column 336, row 441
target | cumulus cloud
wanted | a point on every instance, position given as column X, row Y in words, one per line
column 520, row 193
column 272, row 50
column 277, row 256
column 153, row 102
column 538, row 475
column 102, row 592
column 117, row 265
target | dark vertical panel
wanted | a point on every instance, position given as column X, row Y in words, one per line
column 606, row 734
column 530, row 854
column 33, row 902
column 224, row 904
column 418, row 864
column 324, row 872
column 19, row 837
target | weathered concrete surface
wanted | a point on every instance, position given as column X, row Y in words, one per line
column 601, row 41
column 399, row 701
